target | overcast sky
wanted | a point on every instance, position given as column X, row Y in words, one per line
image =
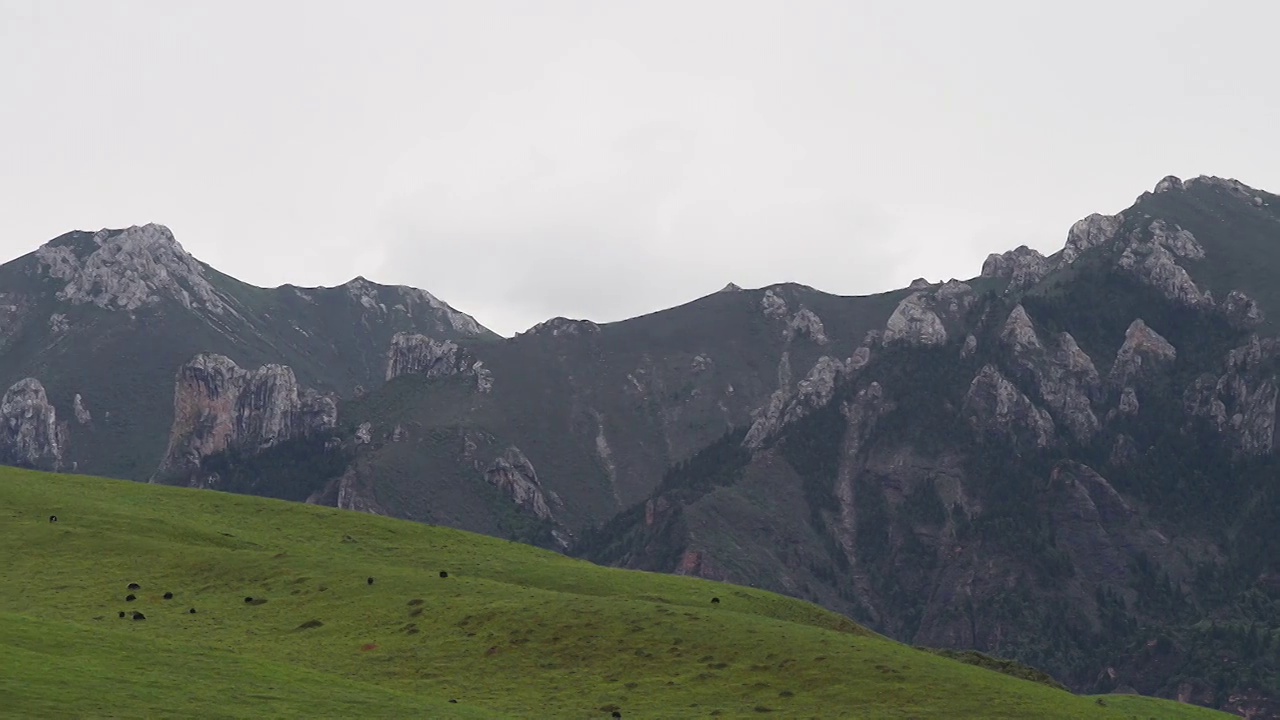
column 603, row 159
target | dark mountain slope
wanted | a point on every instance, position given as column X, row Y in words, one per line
column 1082, row 479
column 599, row 411
column 110, row 317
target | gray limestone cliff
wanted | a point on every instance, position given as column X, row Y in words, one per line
column 513, row 474
column 994, row 406
column 414, row 354
column 813, row 392
column 1022, row 266
column 129, row 269
column 920, row 318
column 30, row 435
column 1151, row 255
column 219, row 406
column 83, row 416
column 1144, row 351
column 1241, row 403
column 1062, row 373
column 1090, row 232
column 914, row 322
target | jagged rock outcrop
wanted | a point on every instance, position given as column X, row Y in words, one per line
column 1144, row 351
column 83, row 416
column 785, row 407
column 514, row 475
column 920, row 318
column 128, row 269
column 954, row 298
column 773, row 304
column 1241, row 403
column 1064, row 375
column 29, row 432
column 806, row 322
column 1128, row 402
column 353, row 490
column 1242, row 310
column 1151, row 256
column 1168, row 183
column 730, row 288
column 914, row 322
column 1090, row 232
column 1022, row 266
column 994, row 406
column 219, row 406
column 414, row 354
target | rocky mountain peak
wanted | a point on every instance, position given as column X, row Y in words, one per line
column 128, row 269
column 1019, row 332
column 1090, row 232
column 1143, row 349
column 1023, row 266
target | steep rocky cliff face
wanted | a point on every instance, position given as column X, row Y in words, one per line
column 414, row 354
column 219, row 406
column 30, row 435
column 1241, row 402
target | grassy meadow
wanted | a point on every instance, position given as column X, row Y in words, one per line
column 513, row 631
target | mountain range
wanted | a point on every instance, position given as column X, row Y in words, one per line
column 1068, row 460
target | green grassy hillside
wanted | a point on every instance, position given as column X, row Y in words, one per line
column 511, row 632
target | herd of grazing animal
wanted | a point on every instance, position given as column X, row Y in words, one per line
column 249, row 600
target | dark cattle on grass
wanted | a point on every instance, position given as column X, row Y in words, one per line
column 715, row 601
column 130, row 597
column 370, row 581
column 248, row 599
column 121, row 613
column 168, row 596
column 134, row 586
column 192, row 611
column 139, row 616
column 444, row 574
column 455, row 702
column 53, row 518
column 616, row 714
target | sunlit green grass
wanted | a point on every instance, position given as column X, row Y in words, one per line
column 511, row 632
